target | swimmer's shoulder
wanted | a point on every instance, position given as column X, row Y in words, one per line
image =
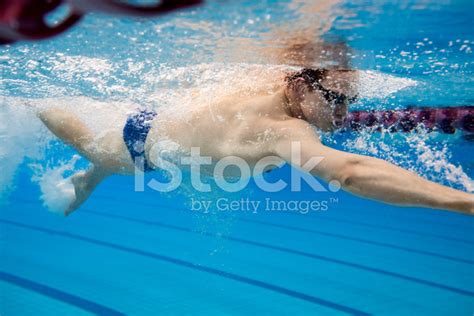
column 290, row 128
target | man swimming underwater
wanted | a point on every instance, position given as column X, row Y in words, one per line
column 252, row 128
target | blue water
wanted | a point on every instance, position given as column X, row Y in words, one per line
column 146, row 253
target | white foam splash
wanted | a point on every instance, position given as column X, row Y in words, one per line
column 81, row 65
column 21, row 135
column 212, row 80
column 377, row 85
column 413, row 152
column 57, row 192
column 438, row 161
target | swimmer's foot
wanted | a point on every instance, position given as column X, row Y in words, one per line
column 84, row 183
column 81, row 189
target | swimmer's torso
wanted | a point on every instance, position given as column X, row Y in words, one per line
column 227, row 127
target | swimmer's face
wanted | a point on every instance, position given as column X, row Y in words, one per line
column 316, row 109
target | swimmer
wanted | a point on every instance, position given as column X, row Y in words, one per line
column 252, row 128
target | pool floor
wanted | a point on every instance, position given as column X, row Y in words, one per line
column 140, row 254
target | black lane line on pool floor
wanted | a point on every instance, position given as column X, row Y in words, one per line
column 296, row 252
column 338, row 220
column 313, row 256
column 315, row 232
column 362, row 240
column 58, row 295
column 183, row 263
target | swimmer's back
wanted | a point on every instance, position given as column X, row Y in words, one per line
column 224, row 128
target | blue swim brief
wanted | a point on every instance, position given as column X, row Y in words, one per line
column 135, row 133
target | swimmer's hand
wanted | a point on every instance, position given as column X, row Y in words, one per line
column 367, row 176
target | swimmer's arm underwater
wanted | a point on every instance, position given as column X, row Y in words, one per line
column 370, row 177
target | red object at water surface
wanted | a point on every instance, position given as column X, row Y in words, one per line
column 26, row 19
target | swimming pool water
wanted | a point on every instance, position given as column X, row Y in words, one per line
column 145, row 253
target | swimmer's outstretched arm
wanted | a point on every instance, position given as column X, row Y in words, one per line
column 367, row 176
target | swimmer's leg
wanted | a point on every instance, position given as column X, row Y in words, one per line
column 108, row 154
column 84, row 183
column 69, row 128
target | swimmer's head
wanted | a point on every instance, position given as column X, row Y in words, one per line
column 321, row 95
